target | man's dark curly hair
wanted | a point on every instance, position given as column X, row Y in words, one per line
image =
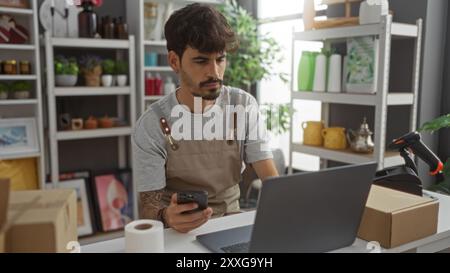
column 201, row 27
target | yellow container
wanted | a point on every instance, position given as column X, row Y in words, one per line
column 312, row 133
column 334, row 138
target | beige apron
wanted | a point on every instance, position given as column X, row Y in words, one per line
column 211, row 165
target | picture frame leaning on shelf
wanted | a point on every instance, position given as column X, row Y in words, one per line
column 18, row 136
column 84, row 223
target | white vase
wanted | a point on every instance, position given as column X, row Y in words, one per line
column 107, row 80
column 66, row 80
column 335, row 74
column 320, row 74
column 122, row 80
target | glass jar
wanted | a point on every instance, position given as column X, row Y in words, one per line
column 87, row 20
column 108, row 28
column 122, row 29
column 10, row 67
column 150, row 19
column 25, row 68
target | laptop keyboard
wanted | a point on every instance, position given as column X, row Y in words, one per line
column 237, row 248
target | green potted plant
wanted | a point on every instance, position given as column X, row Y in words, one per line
column 257, row 53
column 66, row 71
column 4, row 89
column 433, row 126
column 91, row 68
column 277, row 117
column 21, row 90
column 108, row 66
column 122, row 73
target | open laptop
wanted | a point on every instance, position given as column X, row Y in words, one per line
column 305, row 212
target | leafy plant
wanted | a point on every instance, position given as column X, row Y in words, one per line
column 66, row 66
column 21, row 86
column 4, row 87
column 90, row 63
column 121, row 67
column 257, row 53
column 277, row 117
column 436, row 124
column 433, row 126
column 109, row 67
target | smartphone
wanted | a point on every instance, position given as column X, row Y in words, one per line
column 199, row 197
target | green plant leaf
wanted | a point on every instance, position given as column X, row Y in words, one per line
column 436, row 124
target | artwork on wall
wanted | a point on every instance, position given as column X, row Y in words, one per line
column 18, row 136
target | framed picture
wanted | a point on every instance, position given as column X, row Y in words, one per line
column 18, row 136
column 114, row 199
column 361, row 65
column 84, row 215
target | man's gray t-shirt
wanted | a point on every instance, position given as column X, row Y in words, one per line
column 149, row 143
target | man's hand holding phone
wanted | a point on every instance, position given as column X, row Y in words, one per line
column 187, row 211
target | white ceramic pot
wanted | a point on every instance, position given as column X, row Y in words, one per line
column 107, row 80
column 22, row 95
column 122, row 80
column 66, row 80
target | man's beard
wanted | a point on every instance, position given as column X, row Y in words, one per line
column 213, row 93
column 209, row 95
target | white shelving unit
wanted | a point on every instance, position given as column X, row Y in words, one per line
column 125, row 108
column 29, row 108
column 385, row 31
column 136, row 8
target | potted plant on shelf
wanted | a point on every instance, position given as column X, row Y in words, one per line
column 4, row 89
column 108, row 72
column 122, row 73
column 66, row 71
column 22, row 90
column 434, row 126
column 91, row 68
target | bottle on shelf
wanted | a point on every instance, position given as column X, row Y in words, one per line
column 87, row 20
column 149, row 85
column 158, row 85
column 169, row 86
column 108, row 28
column 122, row 29
column 150, row 20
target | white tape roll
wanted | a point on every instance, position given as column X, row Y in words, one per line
column 144, row 236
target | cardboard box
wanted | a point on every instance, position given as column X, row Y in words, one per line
column 4, row 200
column 41, row 221
column 394, row 218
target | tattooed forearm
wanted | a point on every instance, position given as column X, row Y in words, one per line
column 150, row 203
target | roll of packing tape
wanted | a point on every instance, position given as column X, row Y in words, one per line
column 144, row 236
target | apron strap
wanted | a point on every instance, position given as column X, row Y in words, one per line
column 165, row 128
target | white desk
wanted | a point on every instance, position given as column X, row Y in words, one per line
column 186, row 243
